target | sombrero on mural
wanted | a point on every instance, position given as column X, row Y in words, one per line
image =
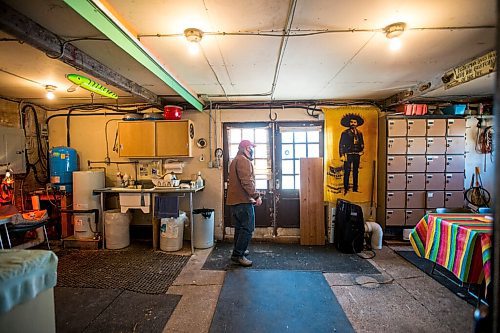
column 347, row 118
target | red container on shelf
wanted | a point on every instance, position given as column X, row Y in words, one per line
column 172, row 112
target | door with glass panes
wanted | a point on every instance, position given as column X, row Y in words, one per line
column 260, row 134
column 293, row 142
column 279, row 147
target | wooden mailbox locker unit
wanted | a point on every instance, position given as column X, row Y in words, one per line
column 161, row 138
column 422, row 165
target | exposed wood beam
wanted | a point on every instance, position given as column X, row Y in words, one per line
column 25, row 29
column 467, row 71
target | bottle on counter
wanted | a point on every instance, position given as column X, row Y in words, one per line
column 199, row 181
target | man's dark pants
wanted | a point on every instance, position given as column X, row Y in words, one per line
column 243, row 217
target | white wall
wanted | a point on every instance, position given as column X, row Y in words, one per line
column 475, row 159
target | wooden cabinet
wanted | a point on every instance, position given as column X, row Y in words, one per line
column 174, row 138
column 156, row 138
column 421, row 167
column 137, row 138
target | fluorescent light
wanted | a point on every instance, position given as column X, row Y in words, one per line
column 395, row 43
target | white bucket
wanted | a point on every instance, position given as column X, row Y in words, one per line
column 406, row 234
column 172, row 232
column 117, row 229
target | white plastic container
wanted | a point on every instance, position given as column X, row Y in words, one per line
column 203, row 228
column 117, row 227
column 172, row 232
column 140, row 201
column 84, row 225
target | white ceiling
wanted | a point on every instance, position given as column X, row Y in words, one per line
column 328, row 66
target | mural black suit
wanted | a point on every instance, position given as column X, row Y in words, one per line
column 351, row 147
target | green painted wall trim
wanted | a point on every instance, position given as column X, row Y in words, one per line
column 88, row 10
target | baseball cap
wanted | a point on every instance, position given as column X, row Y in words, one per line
column 246, row 143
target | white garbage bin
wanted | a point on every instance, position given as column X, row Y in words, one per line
column 117, row 227
column 171, row 232
column 203, row 228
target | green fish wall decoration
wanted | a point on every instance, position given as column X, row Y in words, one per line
column 91, row 85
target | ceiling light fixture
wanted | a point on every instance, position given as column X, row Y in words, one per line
column 50, row 91
column 193, row 36
column 393, row 32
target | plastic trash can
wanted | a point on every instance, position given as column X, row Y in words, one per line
column 172, row 232
column 203, row 228
column 117, row 229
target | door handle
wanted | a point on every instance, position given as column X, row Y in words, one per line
column 277, row 184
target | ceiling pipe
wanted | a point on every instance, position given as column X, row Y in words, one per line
column 22, row 27
column 284, row 41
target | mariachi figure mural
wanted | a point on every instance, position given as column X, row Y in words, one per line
column 351, row 151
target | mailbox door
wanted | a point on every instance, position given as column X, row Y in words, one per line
column 413, row 216
column 455, row 163
column 434, row 199
column 417, row 127
column 396, row 146
column 454, row 181
column 416, row 145
column 454, row 199
column 456, row 127
column 415, row 199
column 396, row 163
column 415, row 163
column 436, row 145
column 435, row 181
column 436, row 127
column 394, row 217
column 455, row 145
column 395, row 199
column 435, row 163
column 396, row 127
column 415, row 181
column 396, row 182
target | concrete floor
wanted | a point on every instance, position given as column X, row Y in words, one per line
column 401, row 299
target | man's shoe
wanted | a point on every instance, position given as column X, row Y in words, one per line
column 243, row 261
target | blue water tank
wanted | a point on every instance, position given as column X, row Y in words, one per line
column 62, row 162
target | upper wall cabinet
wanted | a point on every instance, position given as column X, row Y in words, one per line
column 174, row 138
column 137, row 138
column 156, row 138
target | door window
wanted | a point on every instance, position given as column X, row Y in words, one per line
column 262, row 160
column 296, row 144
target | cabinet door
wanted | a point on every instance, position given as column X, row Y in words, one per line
column 137, row 138
column 435, row 163
column 396, row 127
column 455, row 163
column 436, row 145
column 415, row 163
column 436, row 127
column 454, row 181
column 456, row 127
column 396, row 163
column 416, row 145
column 174, row 138
column 395, row 199
column 417, row 127
column 396, row 146
column 396, row 181
column 455, row 145
column 454, row 199
column 434, row 181
column 415, row 199
column 415, row 181
column 435, row 199
column 394, row 217
column 413, row 216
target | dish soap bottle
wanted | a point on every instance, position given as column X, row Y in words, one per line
column 199, row 181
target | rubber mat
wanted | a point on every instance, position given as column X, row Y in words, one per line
column 291, row 257
column 134, row 269
column 105, row 310
column 278, row 301
column 441, row 275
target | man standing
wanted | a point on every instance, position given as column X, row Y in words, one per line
column 242, row 196
column 351, row 147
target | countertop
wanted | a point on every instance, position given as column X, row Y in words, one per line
column 148, row 190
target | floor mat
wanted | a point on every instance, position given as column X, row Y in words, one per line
column 105, row 310
column 291, row 257
column 278, row 301
column 135, row 269
column 441, row 275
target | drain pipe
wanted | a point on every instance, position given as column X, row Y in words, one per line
column 376, row 234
